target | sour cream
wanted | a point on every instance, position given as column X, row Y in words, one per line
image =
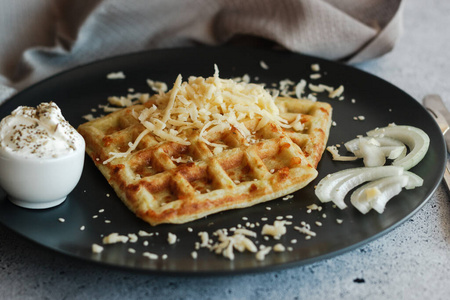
column 40, row 132
column 41, row 156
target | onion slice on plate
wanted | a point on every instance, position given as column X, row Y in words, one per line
column 334, row 187
column 416, row 140
column 377, row 193
column 391, row 148
column 372, row 154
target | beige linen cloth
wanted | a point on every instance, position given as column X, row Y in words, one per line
column 41, row 38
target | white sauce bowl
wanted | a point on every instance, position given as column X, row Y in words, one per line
column 40, row 183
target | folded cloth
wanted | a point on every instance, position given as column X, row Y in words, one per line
column 41, row 38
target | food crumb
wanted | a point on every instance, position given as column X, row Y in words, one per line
column 144, row 233
column 276, row 230
column 315, row 67
column 116, row 75
column 279, row 248
column 261, row 254
column 133, row 237
column 171, row 238
column 288, row 197
column 114, row 238
column 97, row 248
column 263, row 65
column 150, row 255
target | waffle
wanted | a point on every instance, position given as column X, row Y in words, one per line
column 316, row 117
column 165, row 181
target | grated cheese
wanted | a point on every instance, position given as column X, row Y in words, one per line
column 89, row 117
column 144, row 233
column 337, row 92
column 227, row 244
column 300, row 88
column 315, row 67
column 288, row 197
column 115, row 238
column 133, row 238
column 263, row 65
column 261, row 254
column 171, row 238
column 279, row 248
column 150, row 255
column 276, row 230
column 116, row 75
column 305, row 229
column 204, row 239
column 336, row 156
column 209, row 105
column 97, row 248
column 157, row 86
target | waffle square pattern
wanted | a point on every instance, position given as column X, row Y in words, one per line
column 206, row 146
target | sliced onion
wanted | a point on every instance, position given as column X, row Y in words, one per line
column 416, row 140
column 334, row 187
column 364, row 199
column 413, row 180
column 352, row 145
column 374, row 150
column 377, row 193
column 331, row 182
column 394, row 152
column 371, row 153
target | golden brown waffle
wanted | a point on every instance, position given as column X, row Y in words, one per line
column 316, row 117
column 167, row 182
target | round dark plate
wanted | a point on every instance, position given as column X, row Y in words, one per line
column 79, row 90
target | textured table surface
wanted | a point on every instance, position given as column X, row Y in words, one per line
column 412, row 261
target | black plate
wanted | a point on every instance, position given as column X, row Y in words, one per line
column 83, row 88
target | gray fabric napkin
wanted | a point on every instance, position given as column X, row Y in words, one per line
column 41, row 38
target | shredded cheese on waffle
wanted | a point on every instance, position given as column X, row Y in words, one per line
column 208, row 105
